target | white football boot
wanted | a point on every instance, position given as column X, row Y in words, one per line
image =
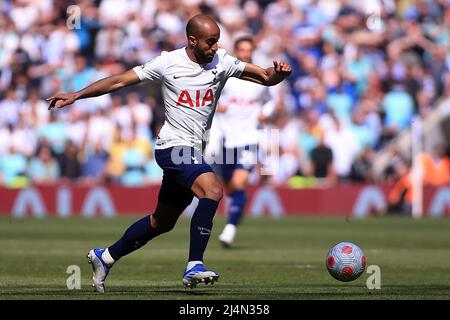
column 198, row 274
column 227, row 236
column 99, row 268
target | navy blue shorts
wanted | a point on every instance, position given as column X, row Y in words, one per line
column 181, row 166
column 238, row 158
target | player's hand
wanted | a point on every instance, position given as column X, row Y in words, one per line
column 282, row 68
column 61, row 100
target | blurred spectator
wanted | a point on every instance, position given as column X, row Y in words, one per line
column 344, row 147
column 287, row 163
column 55, row 131
column 322, row 162
column 362, row 131
column 435, row 171
column 94, row 166
column 341, row 103
column 23, row 15
column 5, row 138
column 399, row 107
column 35, row 110
column 442, row 165
column 142, row 115
column 120, row 114
column 436, row 167
column 9, row 108
column 43, row 168
column 134, row 162
column 358, row 78
column 109, row 41
column 400, row 197
column 117, row 11
column 99, row 128
column 77, row 123
column 82, row 75
column 152, row 170
column 367, row 125
column 23, row 138
column 13, row 167
column 390, row 174
column 115, row 166
column 69, row 163
column 61, row 45
column 134, row 158
column 362, row 170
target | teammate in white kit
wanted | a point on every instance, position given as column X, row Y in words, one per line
column 242, row 107
column 191, row 79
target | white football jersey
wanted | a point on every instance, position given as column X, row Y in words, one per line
column 244, row 102
column 190, row 93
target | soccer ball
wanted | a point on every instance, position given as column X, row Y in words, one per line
column 346, row 261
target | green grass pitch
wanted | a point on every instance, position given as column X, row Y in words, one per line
column 273, row 259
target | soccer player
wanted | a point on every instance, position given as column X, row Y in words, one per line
column 191, row 79
column 241, row 109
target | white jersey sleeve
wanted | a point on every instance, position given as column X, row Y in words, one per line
column 152, row 70
column 233, row 66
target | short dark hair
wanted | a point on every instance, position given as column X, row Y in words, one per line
column 238, row 41
column 196, row 23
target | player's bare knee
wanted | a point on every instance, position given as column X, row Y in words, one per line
column 215, row 192
column 208, row 186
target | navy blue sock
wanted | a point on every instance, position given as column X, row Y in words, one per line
column 137, row 235
column 201, row 225
column 236, row 209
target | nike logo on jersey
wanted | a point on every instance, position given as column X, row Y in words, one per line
column 176, row 77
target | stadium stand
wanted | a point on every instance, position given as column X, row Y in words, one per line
column 360, row 75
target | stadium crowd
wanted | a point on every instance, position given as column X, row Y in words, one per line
column 362, row 69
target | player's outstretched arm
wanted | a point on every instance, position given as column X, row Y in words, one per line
column 95, row 89
column 267, row 77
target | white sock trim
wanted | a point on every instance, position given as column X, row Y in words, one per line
column 191, row 264
column 106, row 256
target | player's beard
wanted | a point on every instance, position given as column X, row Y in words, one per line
column 209, row 58
column 203, row 57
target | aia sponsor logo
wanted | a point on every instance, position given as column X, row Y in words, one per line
column 196, row 100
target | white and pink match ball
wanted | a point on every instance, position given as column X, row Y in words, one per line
column 346, row 261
